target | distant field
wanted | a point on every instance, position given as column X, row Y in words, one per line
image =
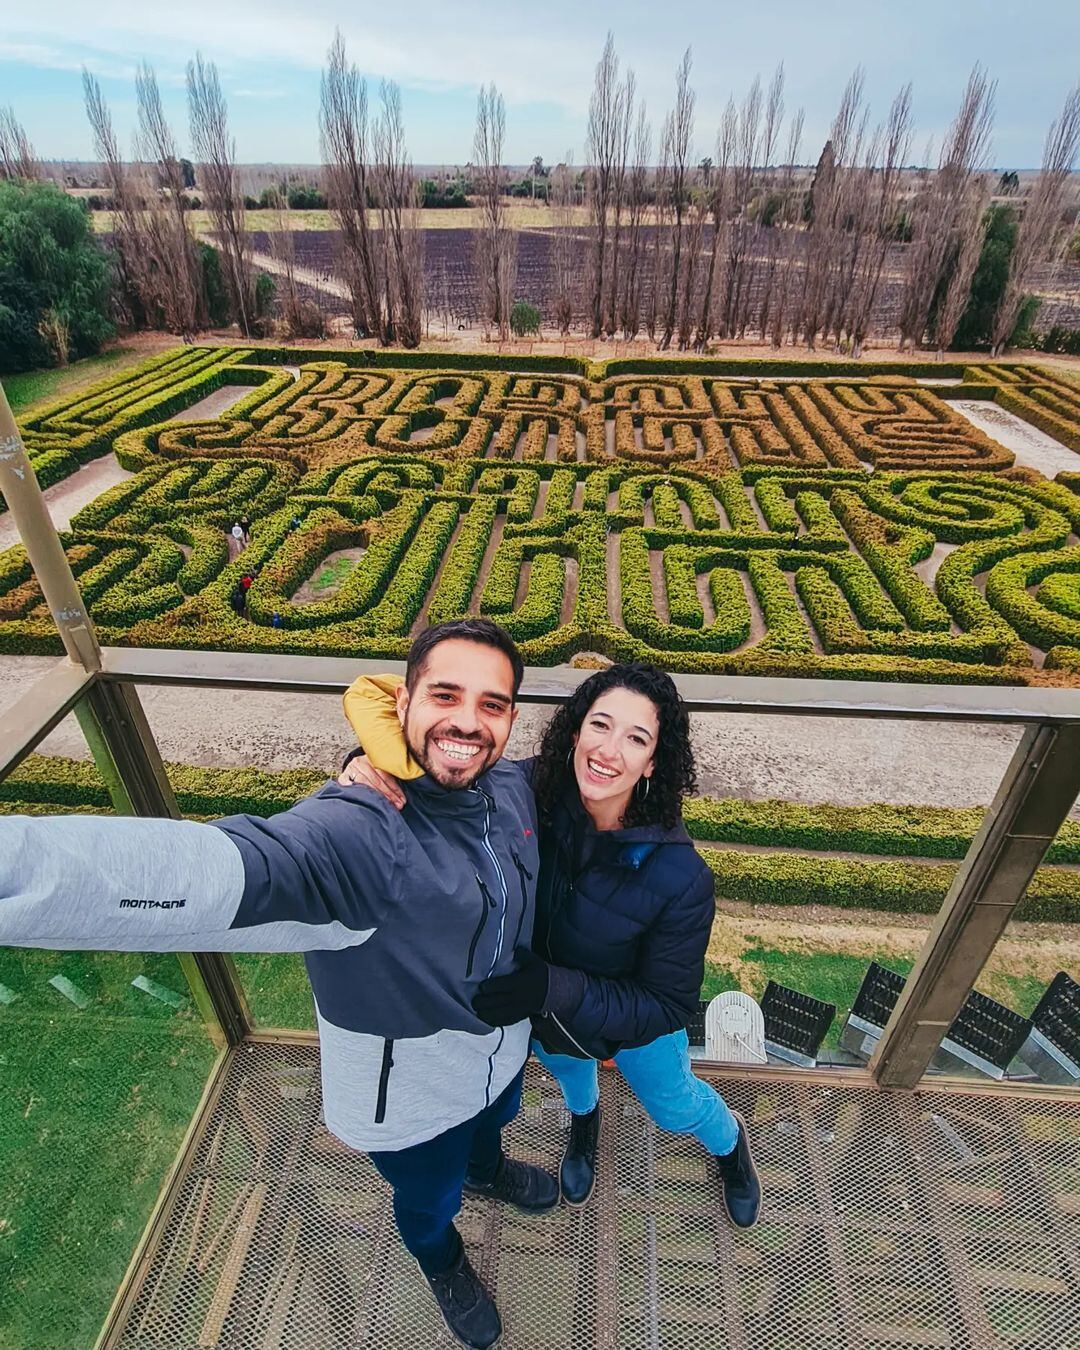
column 520, row 215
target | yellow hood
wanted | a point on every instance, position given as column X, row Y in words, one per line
column 371, row 707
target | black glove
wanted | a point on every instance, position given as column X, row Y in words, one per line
column 506, row 999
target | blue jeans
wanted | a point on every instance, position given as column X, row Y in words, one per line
column 660, row 1077
column 428, row 1177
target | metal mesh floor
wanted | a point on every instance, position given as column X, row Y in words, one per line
column 890, row 1220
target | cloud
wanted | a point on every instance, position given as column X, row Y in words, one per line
column 258, row 93
column 47, row 57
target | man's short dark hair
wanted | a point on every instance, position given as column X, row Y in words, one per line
column 481, row 631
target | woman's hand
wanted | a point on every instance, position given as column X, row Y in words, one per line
column 360, row 772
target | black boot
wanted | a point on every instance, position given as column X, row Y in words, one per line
column 528, row 1188
column 467, row 1307
column 742, row 1189
column 577, row 1176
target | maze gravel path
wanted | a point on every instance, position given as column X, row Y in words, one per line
column 842, row 760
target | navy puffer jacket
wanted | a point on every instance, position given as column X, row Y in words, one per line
column 624, row 918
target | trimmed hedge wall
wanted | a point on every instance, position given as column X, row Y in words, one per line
column 801, row 534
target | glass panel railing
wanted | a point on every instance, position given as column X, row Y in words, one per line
column 103, row 1060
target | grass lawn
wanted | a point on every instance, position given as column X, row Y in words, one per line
column 835, row 977
column 334, row 574
column 43, row 386
column 93, row 1107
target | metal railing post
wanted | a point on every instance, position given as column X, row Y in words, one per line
column 126, row 755
column 22, row 492
column 1033, row 801
column 111, row 715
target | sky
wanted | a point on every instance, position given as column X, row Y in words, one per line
column 542, row 57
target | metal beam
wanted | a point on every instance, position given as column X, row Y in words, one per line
column 45, row 704
column 1039, row 789
column 128, row 758
column 22, row 492
column 551, row 685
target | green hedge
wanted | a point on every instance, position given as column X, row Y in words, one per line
column 904, row 887
column 906, row 831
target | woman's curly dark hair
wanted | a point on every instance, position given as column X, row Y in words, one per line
column 673, row 775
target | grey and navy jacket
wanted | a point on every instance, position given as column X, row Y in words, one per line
column 624, row 916
column 401, row 916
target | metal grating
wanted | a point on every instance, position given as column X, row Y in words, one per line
column 890, row 1220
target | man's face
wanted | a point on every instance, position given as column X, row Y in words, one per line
column 458, row 717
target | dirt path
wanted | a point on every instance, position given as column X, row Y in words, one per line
column 71, row 495
column 1030, row 445
column 811, row 759
column 1031, row 949
column 331, row 286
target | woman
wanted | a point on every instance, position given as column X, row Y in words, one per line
column 623, row 916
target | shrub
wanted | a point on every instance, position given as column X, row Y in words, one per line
column 54, row 278
column 524, row 319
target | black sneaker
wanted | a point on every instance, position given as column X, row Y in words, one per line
column 742, row 1188
column 528, row 1188
column 577, row 1175
column 467, row 1307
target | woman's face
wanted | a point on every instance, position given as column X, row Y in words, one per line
column 614, row 748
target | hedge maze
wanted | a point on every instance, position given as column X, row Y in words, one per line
column 853, row 525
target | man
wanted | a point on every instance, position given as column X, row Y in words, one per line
column 402, row 916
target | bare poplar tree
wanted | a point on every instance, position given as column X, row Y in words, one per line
column 741, row 232
column 165, row 208
column 136, row 265
column 831, row 193
column 215, row 151
column 875, row 207
column 402, row 243
column 719, row 193
column 678, row 135
column 606, row 151
column 17, row 157
column 768, row 216
column 939, row 208
column 344, row 136
column 969, row 234
column 637, row 193
column 628, row 94
column 1045, row 217
column 563, row 244
column 496, row 252
column 775, row 321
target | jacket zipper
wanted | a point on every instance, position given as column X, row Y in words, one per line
column 523, row 874
column 384, row 1080
column 488, row 804
column 491, row 1065
column 488, row 902
column 569, row 1037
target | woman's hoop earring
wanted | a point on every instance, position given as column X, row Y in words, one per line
column 569, row 756
column 642, row 795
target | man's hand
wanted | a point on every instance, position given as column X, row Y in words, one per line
column 506, row 999
column 360, row 772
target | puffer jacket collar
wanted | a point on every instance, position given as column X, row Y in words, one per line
column 630, row 846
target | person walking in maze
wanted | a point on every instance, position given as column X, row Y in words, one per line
column 625, row 908
column 401, row 915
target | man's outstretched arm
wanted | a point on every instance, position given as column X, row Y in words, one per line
column 313, row 878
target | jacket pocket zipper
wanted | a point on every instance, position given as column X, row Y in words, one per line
column 523, row 875
column 489, row 903
column 384, row 1081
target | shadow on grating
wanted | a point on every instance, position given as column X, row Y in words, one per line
column 890, row 1220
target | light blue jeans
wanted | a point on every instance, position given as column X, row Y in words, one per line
column 660, row 1077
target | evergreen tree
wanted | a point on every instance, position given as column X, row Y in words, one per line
column 54, row 278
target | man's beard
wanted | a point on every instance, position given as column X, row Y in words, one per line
column 447, row 776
